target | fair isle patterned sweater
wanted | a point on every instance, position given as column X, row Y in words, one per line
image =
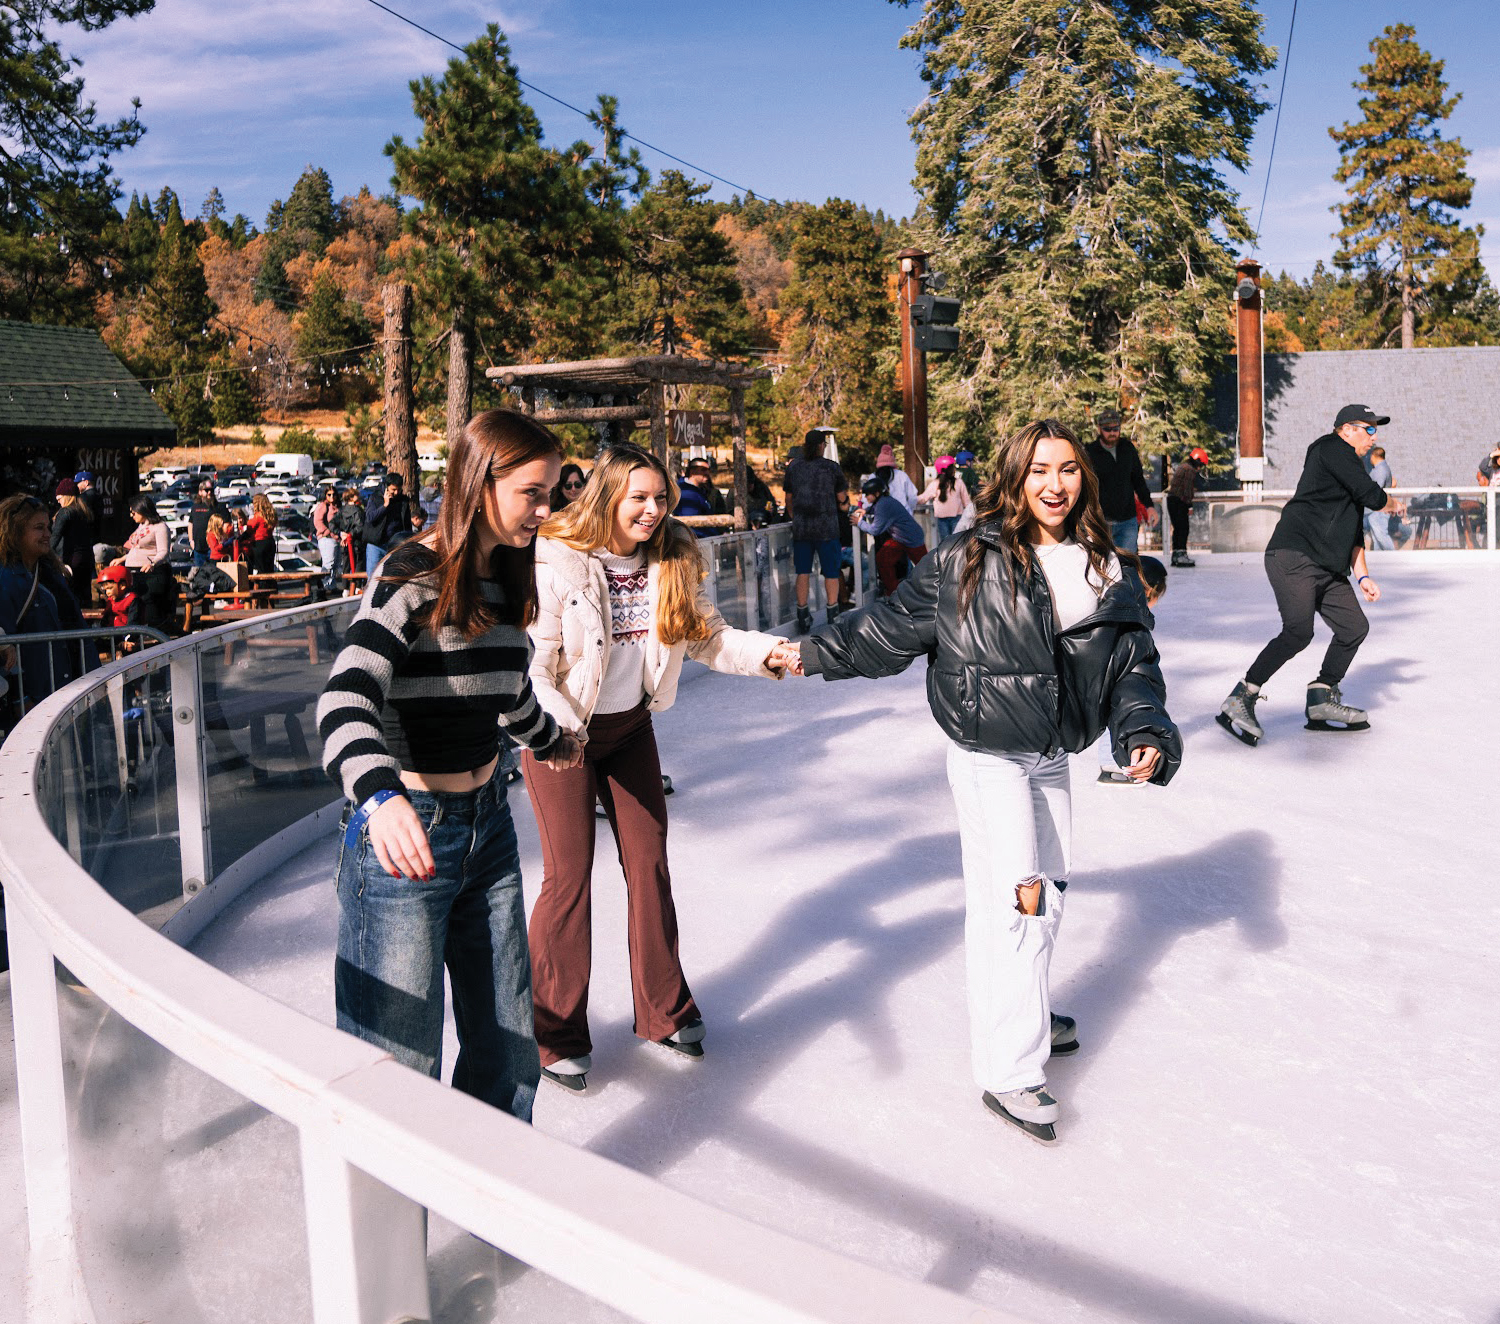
column 404, row 697
column 624, row 685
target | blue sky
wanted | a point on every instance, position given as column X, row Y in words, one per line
column 806, row 99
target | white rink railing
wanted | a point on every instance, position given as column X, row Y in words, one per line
column 141, row 799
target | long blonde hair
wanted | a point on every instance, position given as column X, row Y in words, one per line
column 587, row 524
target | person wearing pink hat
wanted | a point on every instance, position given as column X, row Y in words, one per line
column 897, row 484
column 946, row 495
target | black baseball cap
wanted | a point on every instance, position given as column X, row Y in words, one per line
column 1359, row 414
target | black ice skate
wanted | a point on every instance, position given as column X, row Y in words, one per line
column 804, row 619
column 1181, row 560
column 1327, row 711
column 1030, row 1110
column 1237, row 715
column 688, row 1040
column 1064, row 1035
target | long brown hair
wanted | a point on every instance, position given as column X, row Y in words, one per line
column 493, row 443
column 262, row 506
column 587, row 524
column 1001, row 509
column 15, row 513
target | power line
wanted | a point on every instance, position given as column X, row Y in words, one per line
column 1286, row 63
column 577, row 110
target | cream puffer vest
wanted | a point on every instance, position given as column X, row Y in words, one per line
column 571, row 635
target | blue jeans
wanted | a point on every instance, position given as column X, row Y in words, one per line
column 1125, row 533
column 372, row 557
column 945, row 526
column 1378, row 526
column 200, row 559
column 396, row 935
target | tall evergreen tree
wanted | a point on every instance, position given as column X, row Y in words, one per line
column 681, row 290
column 57, row 184
column 496, row 208
column 840, row 345
column 329, row 328
column 1405, row 181
column 182, row 339
column 305, row 223
column 1069, row 164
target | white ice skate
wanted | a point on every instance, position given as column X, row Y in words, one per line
column 1032, row 1110
column 571, row 1073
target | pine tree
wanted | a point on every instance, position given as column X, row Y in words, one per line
column 229, row 394
column 213, row 205
column 841, row 342
column 498, row 209
column 1070, row 168
column 329, row 328
column 57, row 184
column 1405, row 181
column 681, row 291
column 182, row 339
column 305, row 223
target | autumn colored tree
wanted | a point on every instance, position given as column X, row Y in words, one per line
column 841, row 330
column 1405, row 182
column 1070, row 166
column 57, row 182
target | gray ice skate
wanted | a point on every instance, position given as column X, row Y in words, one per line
column 1327, row 711
column 1064, row 1035
column 1237, row 715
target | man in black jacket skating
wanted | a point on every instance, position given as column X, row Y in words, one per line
column 1318, row 541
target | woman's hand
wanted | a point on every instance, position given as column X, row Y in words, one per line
column 784, row 657
column 567, row 753
column 400, row 841
column 1144, row 761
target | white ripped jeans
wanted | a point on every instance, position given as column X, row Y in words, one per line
column 1015, row 823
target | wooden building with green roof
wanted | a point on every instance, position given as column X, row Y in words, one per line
column 68, row 404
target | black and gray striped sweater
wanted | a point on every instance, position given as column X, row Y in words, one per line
column 404, row 697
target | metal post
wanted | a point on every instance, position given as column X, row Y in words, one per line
column 1489, row 518
column 913, row 369
column 859, row 566
column 367, row 1245
column 187, row 748
column 741, row 467
column 55, row 1287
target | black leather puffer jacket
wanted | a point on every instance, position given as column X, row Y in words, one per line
column 1002, row 678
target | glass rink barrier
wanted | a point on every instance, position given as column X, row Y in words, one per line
column 1415, row 519
column 195, row 1150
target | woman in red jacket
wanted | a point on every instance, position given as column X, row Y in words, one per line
column 262, row 536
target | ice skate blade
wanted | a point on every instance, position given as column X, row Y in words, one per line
column 1244, row 737
column 1044, row 1133
column 694, row 1051
column 573, row 1082
column 1320, row 725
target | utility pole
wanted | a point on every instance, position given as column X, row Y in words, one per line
column 1250, row 466
column 400, row 423
column 913, row 368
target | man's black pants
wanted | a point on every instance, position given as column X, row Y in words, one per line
column 1304, row 590
column 1181, row 514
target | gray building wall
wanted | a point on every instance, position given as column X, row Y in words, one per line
column 1442, row 404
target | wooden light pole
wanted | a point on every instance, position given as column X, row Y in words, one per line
column 1250, row 467
column 400, row 421
column 913, row 368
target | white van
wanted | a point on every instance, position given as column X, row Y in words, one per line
column 284, row 466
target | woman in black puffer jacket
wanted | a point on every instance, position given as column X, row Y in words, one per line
column 1037, row 637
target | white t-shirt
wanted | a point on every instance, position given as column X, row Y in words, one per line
column 623, row 686
column 1075, row 586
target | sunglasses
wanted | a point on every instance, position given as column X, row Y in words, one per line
column 574, row 482
column 1367, row 429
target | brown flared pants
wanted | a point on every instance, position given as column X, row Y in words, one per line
column 622, row 770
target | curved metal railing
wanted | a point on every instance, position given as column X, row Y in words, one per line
column 137, row 803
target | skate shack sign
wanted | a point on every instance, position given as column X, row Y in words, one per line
column 688, row 428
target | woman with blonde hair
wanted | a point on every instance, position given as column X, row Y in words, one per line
column 262, row 535
column 620, row 605
column 1037, row 637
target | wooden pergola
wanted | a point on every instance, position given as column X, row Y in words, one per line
column 632, row 392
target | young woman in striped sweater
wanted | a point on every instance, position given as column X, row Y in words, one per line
column 620, row 605
column 434, row 665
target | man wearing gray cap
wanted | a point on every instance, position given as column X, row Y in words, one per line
column 1318, row 542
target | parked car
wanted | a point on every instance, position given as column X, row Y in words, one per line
column 235, row 487
column 277, row 467
column 164, row 477
column 293, row 565
column 232, row 471
column 296, row 545
column 173, row 505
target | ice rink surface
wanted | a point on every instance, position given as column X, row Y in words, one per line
column 1283, row 968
